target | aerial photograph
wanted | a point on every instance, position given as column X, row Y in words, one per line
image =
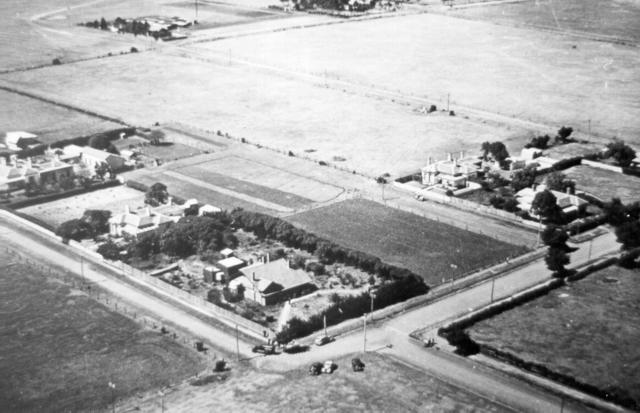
column 319, row 206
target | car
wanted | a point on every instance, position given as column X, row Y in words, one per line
column 328, row 367
column 294, row 347
column 264, row 349
column 322, row 340
column 315, row 369
column 357, row 364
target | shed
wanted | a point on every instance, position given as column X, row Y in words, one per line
column 231, row 267
column 227, row 252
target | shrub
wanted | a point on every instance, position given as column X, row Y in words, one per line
column 432, row 109
column 56, row 62
column 133, row 50
column 75, row 229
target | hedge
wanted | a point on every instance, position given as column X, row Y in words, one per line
column 84, row 140
column 59, row 195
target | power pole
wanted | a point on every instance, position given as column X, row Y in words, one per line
column 196, row 19
column 237, row 344
column 493, row 286
column 448, row 96
column 82, row 269
column 324, row 321
column 364, row 343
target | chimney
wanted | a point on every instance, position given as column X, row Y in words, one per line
column 122, row 135
column 13, row 160
column 449, row 157
column 253, row 277
column 3, row 160
column 126, row 209
column 268, row 258
column 147, row 211
column 170, row 200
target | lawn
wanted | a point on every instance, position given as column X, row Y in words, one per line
column 60, row 349
column 384, row 386
column 50, row 122
column 589, row 330
column 605, row 184
column 112, row 199
column 616, row 19
column 429, row 248
column 202, row 172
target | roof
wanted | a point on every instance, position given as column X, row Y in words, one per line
column 8, row 172
column 275, row 272
column 226, row 251
column 88, row 151
column 15, row 136
column 230, row 262
column 140, row 220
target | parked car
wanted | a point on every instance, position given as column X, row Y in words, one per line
column 328, row 367
column 294, row 347
column 322, row 340
column 315, row 369
column 264, row 349
column 357, row 364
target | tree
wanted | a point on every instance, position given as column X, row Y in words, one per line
column 540, row 142
column 109, row 250
column 102, row 169
column 523, row 178
column 156, row 136
column 497, row 150
column 628, row 234
column 175, row 242
column 103, row 24
column 556, row 237
column 100, row 141
column 146, row 245
column 556, row 260
column 563, row 134
column 74, row 229
column 617, row 213
column 621, row 152
column 557, row 181
column 545, row 205
column 97, row 219
column 157, row 194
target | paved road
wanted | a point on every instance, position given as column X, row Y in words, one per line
column 38, row 248
column 459, row 371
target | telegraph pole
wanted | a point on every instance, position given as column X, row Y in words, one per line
column 493, row 286
column 237, row 344
column 196, row 19
column 448, row 96
column 364, row 344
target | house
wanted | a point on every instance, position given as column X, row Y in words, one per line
column 230, row 267
column 136, row 223
column 20, row 140
column 273, row 282
column 570, row 204
column 207, row 209
column 450, row 173
column 35, row 171
column 94, row 157
column 227, row 252
column 531, row 156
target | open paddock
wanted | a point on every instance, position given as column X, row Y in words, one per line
column 373, row 135
column 50, row 122
column 588, row 330
column 525, row 73
column 434, row 250
column 60, row 349
column 111, row 199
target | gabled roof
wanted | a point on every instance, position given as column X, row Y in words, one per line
column 275, row 275
column 15, row 136
column 88, row 151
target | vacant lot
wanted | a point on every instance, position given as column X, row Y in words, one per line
column 525, row 73
column 372, row 135
column 615, row 19
column 384, row 386
column 111, row 199
column 429, row 248
column 588, row 330
column 60, row 349
column 605, row 184
column 50, row 122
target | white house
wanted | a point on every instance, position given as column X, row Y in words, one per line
column 136, row 223
column 450, row 173
column 570, row 204
column 94, row 157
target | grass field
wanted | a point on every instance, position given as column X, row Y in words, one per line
column 60, row 348
column 429, row 248
column 111, row 199
column 605, row 184
column 51, row 123
column 528, row 74
column 375, row 136
column 611, row 18
column 384, row 386
column 589, row 330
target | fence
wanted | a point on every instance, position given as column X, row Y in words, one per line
column 231, row 319
column 601, row 165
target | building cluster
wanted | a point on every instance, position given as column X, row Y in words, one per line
column 53, row 166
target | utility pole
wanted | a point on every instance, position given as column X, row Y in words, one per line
column 324, row 321
column 82, row 269
column 161, row 394
column 448, row 96
column 196, row 19
column 364, row 343
column 493, row 286
column 113, row 396
column 590, row 246
column 589, row 127
column 237, row 344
